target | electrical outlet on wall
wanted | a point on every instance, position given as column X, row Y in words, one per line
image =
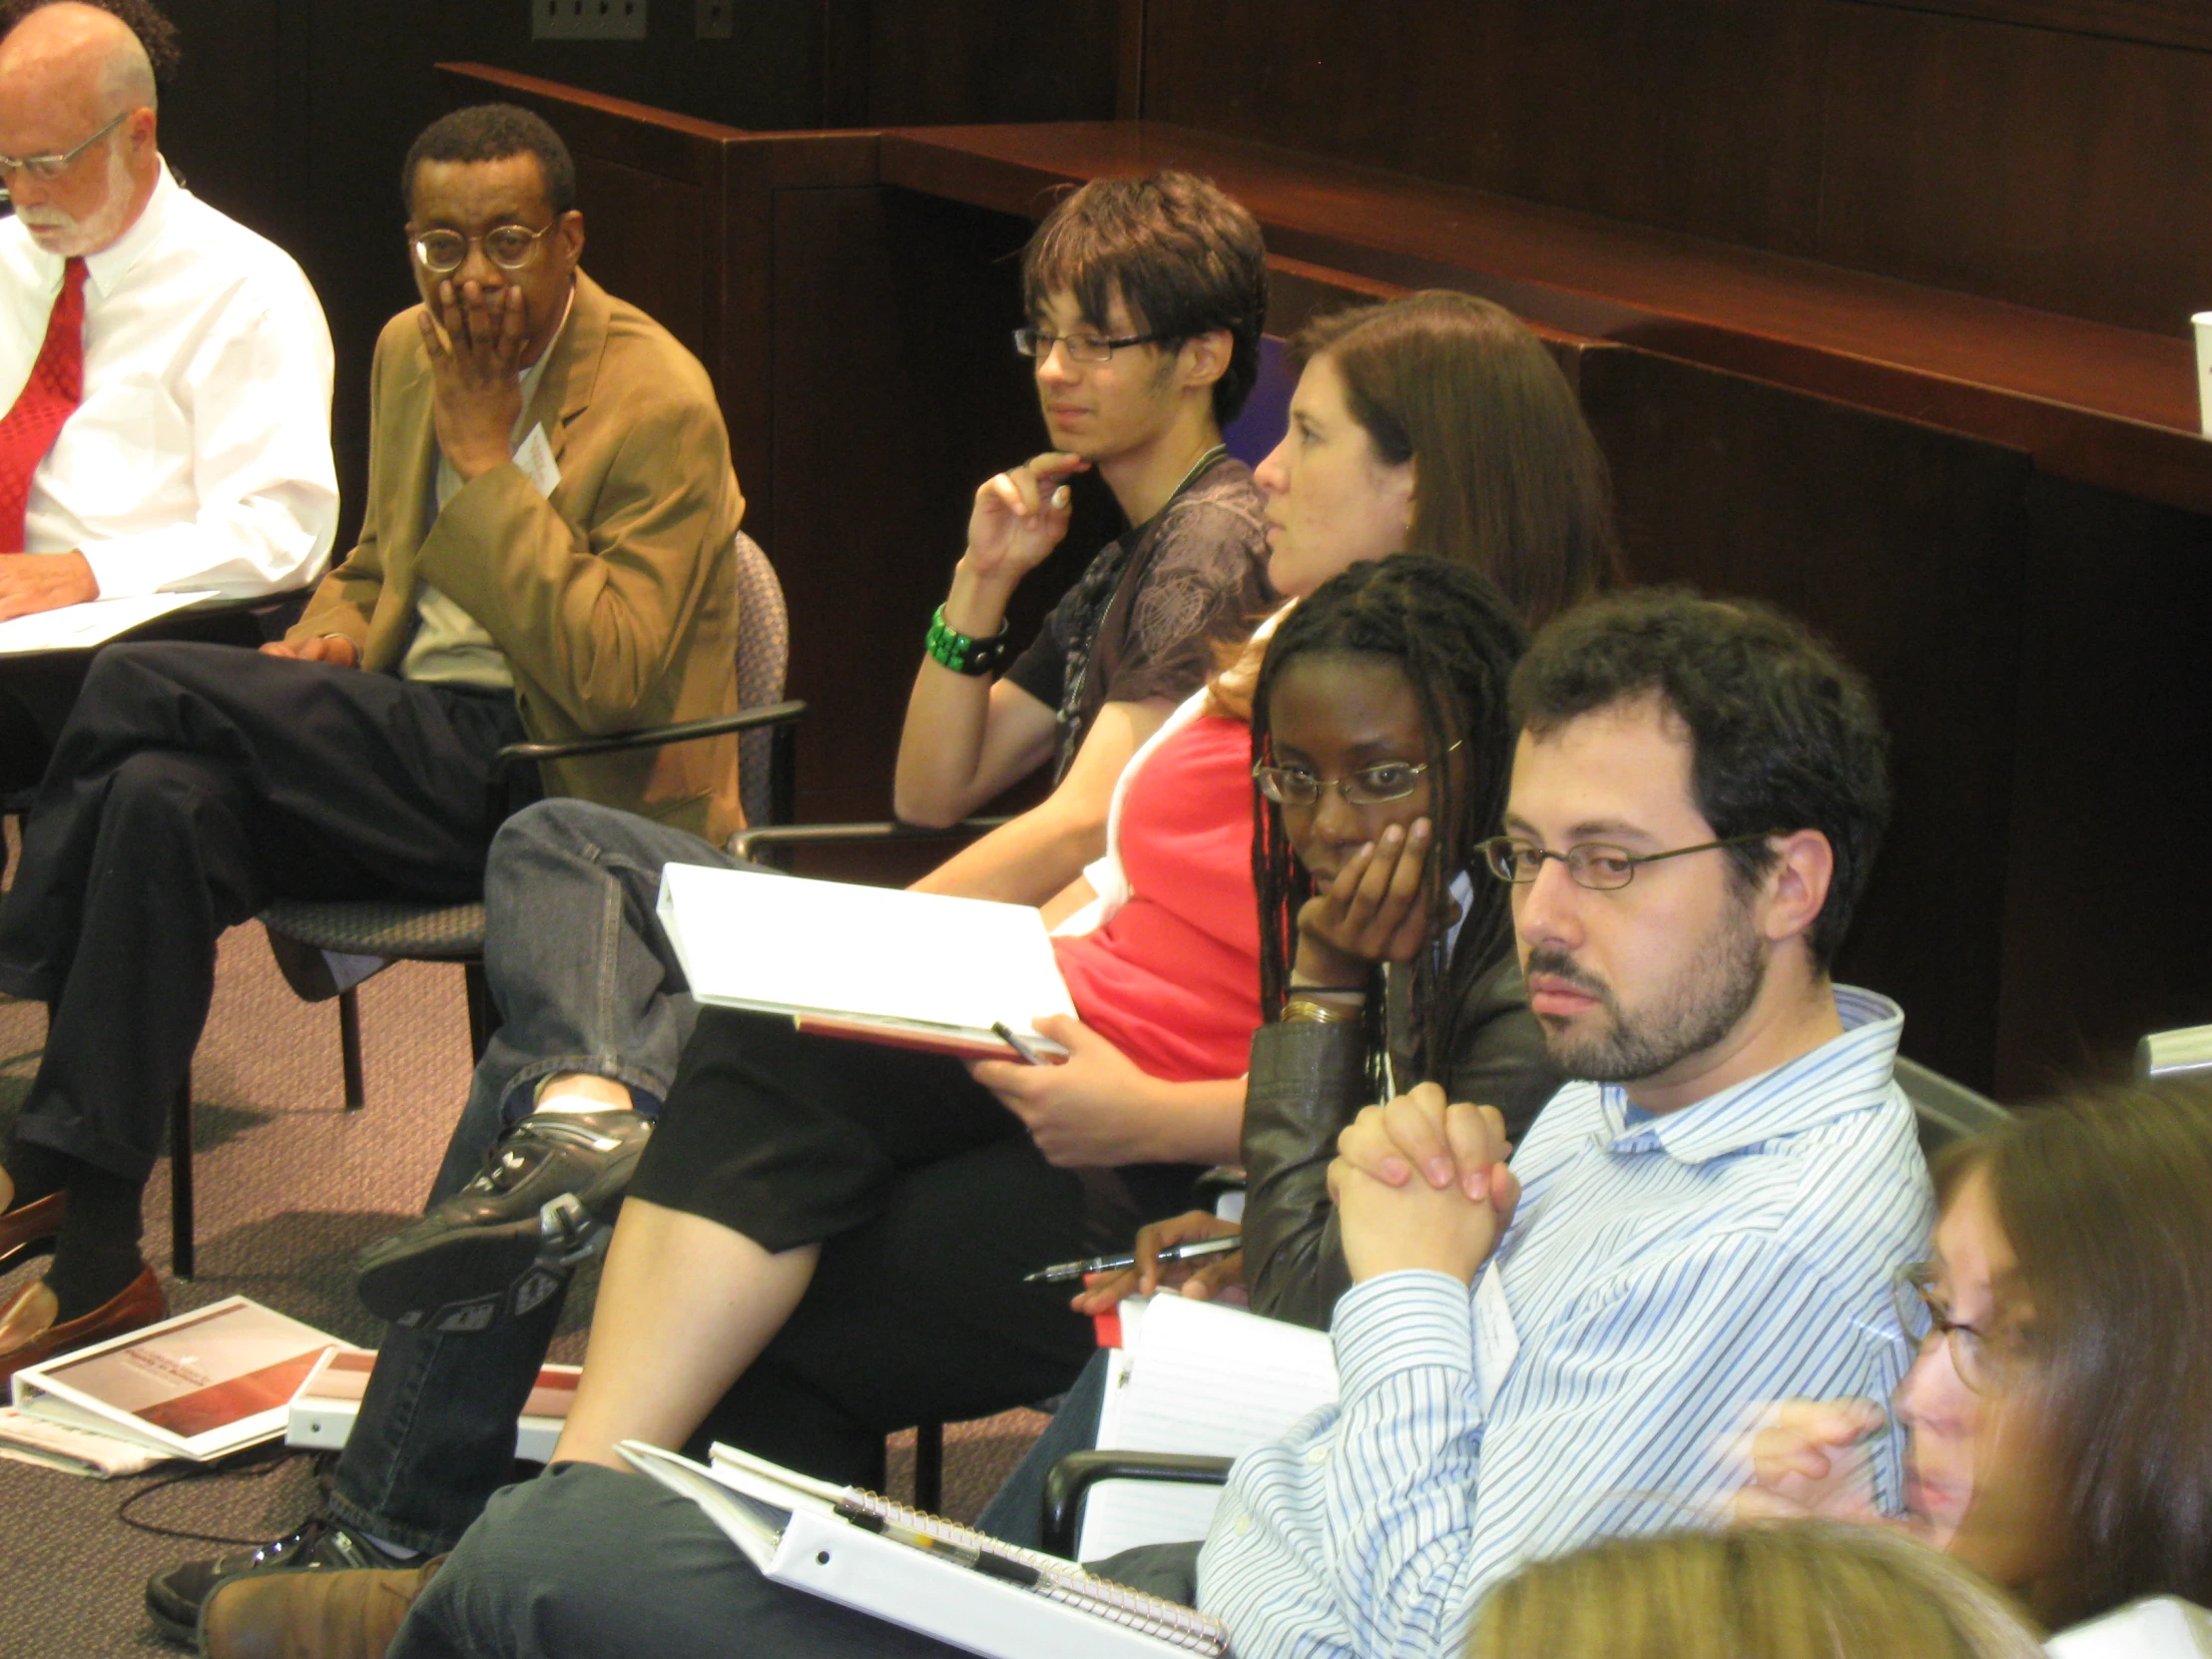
column 587, row 19
column 716, row 19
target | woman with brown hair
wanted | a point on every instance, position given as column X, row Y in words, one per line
column 2059, row 1416
column 1804, row 1589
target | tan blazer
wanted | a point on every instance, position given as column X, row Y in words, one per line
column 616, row 600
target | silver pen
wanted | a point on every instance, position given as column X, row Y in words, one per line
column 1061, row 1272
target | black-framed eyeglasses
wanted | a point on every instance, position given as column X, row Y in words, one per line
column 509, row 247
column 1080, row 347
column 1594, row 864
column 1986, row 1361
column 46, row 169
column 1368, row 786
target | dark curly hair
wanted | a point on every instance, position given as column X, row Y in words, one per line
column 1455, row 638
column 492, row 133
column 142, row 17
column 1783, row 735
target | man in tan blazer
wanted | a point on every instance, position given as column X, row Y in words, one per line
column 547, row 552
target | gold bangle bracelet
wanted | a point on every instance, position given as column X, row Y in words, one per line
column 1304, row 1011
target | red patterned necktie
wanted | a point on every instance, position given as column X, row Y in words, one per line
column 49, row 397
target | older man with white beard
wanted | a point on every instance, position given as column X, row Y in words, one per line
column 164, row 371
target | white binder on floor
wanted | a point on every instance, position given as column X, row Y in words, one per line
column 922, row 1572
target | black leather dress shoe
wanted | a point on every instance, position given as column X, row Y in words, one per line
column 510, row 1238
column 173, row 1595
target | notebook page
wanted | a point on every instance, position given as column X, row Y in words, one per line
column 1203, row 1379
column 782, row 943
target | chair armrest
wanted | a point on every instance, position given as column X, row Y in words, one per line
column 650, row 737
column 2175, row 1053
column 743, row 844
column 1073, row 1476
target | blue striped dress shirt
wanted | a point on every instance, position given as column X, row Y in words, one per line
column 1663, row 1277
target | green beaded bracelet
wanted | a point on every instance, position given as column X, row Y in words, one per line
column 963, row 653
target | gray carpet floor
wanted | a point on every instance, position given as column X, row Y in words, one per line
column 289, row 1187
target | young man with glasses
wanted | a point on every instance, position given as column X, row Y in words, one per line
column 546, row 554
column 165, row 373
column 1145, row 300
column 1530, row 1356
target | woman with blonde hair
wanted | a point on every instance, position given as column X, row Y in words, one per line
column 1806, row 1589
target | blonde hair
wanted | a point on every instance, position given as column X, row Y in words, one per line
column 1796, row 1590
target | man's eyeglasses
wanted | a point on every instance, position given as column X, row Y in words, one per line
column 509, row 247
column 1081, row 348
column 1987, row 1361
column 1370, row 786
column 1594, row 864
column 46, row 169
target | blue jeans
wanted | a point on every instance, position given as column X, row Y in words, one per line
column 585, row 982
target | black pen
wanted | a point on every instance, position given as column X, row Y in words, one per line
column 1061, row 1272
column 1005, row 1034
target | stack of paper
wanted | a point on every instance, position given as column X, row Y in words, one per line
column 1201, row 1378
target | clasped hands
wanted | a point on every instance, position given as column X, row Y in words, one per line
column 1423, row 1184
column 475, row 342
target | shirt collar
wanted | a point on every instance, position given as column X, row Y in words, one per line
column 1847, row 1073
column 106, row 270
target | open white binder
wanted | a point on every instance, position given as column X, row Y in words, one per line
column 927, row 970
column 922, row 1572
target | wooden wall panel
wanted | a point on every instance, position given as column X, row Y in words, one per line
column 2160, row 21
column 1902, row 545
column 2108, row 917
column 2048, row 152
column 898, row 394
column 628, row 217
column 2025, row 164
column 931, row 62
column 1613, row 108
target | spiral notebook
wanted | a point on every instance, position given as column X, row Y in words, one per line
column 922, row 1572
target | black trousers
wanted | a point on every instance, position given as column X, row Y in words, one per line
column 38, row 690
column 191, row 786
column 929, row 1202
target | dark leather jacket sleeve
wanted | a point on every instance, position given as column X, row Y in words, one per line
column 1307, row 1082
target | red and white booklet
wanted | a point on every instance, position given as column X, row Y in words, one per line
column 196, row 1387
column 878, row 964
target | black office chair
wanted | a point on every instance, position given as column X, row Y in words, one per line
column 1947, row 1111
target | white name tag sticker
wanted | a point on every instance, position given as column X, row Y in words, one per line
column 535, row 457
column 1496, row 1343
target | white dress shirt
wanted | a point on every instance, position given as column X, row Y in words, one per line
column 1661, row 1277
column 200, row 456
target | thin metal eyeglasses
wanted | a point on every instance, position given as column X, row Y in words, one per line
column 1368, row 786
column 1986, row 1362
column 509, row 247
column 46, row 169
column 1081, row 348
column 1597, row 866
